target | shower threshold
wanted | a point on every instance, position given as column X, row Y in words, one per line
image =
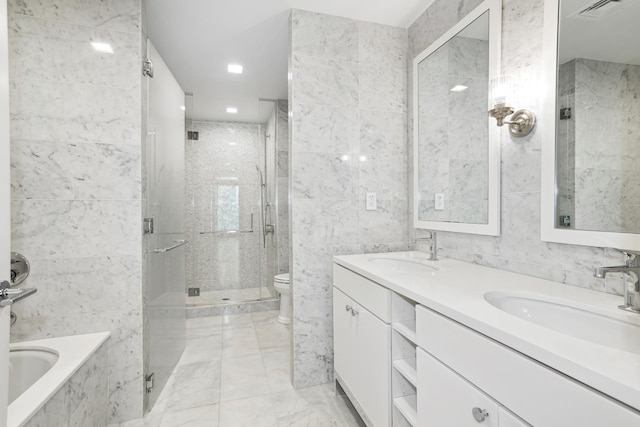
column 230, row 297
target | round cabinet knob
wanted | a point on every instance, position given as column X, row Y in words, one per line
column 479, row 414
column 348, row 308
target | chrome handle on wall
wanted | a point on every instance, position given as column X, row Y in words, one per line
column 178, row 243
column 348, row 308
column 10, row 296
column 354, row 312
column 479, row 414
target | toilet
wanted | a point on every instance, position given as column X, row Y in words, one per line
column 281, row 283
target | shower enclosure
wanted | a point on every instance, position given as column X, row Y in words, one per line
column 231, row 214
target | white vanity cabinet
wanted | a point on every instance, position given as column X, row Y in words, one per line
column 362, row 344
column 459, row 369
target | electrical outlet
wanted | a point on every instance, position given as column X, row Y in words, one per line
column 371, row 201
column 438, row 200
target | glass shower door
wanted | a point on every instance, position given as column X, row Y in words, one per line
column 164, row 312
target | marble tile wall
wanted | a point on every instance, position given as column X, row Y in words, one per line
column 348, row 136
column 76, row 177
column 453, row 132
column 519, row 247
column 81, row 401
column 223, row 191
column 607, row 96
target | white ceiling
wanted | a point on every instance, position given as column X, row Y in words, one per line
column 198, row 38
column 614, row 38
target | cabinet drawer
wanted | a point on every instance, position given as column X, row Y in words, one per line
column 446, row 399
column 368, row 294
column 541, row 396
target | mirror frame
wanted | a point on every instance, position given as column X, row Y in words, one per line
column 548, row 230
column 492, row 227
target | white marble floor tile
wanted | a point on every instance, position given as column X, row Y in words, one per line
column 243, row 377
column 278, row 368
column 202, row 416
column 232, row 321
column 315, row 406
column 204, row 327
column 207, row 349
column 253, row 411
column 196, row 384
column 274, row 337
column 265, row 317
column 235, row 373
column 238, row 342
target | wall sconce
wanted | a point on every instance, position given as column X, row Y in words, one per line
column 522, row 121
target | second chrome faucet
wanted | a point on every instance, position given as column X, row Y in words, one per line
column 433, row 251
column 632, row 268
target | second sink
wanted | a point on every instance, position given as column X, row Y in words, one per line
column 565, row 317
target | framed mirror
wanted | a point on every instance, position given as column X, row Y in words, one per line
column 456, row 176
column 591, row 147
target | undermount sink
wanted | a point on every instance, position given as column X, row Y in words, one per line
column 567, row 318
column 414, row 265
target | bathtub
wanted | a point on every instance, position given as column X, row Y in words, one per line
column 38, row 370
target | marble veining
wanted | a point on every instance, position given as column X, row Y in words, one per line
column 76, row 166
column 45, row 111
column 121, row 15
column 57, row 51
column 348, row 127
column 61, row 170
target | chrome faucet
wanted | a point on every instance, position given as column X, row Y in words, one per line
column 632, row 268
column 433, row 251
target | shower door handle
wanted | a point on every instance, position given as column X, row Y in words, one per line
column 269, row 228
column 177, row 244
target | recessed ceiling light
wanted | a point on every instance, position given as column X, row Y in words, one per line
column 232, row 110
column 102, row 47
column 459, row 88
column 344, row 158
column 363, row 158
column 232, row 143
column 183, row 108
column 234, row 68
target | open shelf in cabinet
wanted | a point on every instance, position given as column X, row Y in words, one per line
column 407, row 367
column 407, row 406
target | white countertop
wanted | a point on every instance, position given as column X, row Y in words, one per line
column 456, row 289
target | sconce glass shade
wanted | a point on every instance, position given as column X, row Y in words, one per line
column 499, row 90
column 522, row 122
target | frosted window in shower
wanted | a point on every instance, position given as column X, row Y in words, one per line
column 228, row 207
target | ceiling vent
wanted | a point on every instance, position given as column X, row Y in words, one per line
column 598, row 9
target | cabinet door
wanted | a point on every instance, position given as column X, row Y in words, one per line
column 344, row 337
column 507, row 419
column 446, row 399
column 373, row 367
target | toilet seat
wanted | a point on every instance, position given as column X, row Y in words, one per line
column 281, row 278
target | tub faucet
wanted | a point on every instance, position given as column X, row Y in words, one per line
column 433, row 250
column 632, row 268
